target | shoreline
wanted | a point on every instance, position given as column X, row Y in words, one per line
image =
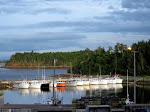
column 35, row 67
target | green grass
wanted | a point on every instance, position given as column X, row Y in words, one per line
column 1, row 93
column 144, row 76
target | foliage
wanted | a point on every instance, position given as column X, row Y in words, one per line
column 1, row 93
column 116, row 60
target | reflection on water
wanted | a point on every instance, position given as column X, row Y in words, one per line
column 35, row 92
column 31, row 96
column 24, row 92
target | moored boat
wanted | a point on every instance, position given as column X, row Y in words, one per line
column 117, row 78
column 94, row 81
column 70, row 83
column 86, row 82
column 111, row 80
column 79, row 82
column 35, row 84
column 23, row 85
column 61, row 83
column 103, row 81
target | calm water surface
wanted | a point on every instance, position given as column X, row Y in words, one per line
column 31, row 96
column 12, row 74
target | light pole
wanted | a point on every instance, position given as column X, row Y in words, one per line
column 134, row 73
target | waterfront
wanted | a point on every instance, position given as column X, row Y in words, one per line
column 32, row 96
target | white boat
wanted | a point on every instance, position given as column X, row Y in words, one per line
column 111, row 80
column 23, row 85
column 117, row 78
column 79, row 82
column 103, row 81
column 86, row 82
column 35, row 84
column 44, row 82
column 94, row 81
column 70, row 83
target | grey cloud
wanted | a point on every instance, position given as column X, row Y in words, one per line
column 138, row 15
column 39, row 41
column 135, row 4
column 91, row 26
column 10, row 10
column 51, row 10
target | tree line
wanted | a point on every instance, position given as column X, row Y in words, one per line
column 114, row 60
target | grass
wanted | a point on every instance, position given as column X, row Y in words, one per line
column 1, row 93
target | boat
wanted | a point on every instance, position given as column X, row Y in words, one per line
column 103, row 81
column 117, row 78
column 94, row 81
column 61, row 83
column 86, row 82
column 35, row 84
column 111, row 80
column 79, row 82
column 23, row 85
column 43, row 81
column 70, row 83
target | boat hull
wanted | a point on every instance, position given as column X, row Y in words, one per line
column 86, row 83
column 94, row 82
column 103, row 81
column 23, row 86
column 61, row 84
column 118, row 81
column 79, row 83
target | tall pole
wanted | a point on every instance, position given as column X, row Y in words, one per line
column 54, row 96
column 134, row 78
column 127, row 86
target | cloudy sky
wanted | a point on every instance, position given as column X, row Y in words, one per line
column 71, row 25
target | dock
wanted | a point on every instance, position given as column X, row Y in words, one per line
column 62, row 108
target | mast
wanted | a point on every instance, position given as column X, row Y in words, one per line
column 54, row 94
column 100, row 70
column 71, row 70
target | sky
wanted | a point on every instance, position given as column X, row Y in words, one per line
column 71, row 25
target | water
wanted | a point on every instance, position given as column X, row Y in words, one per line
column 13, row 74
column 32, row 96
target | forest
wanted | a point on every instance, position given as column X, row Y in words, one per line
column 116, row 59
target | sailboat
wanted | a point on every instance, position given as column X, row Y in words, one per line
column 43, row 81
column 102, row 81
column 71, row 82
column 94, row 81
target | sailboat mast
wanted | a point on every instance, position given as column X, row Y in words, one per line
column 71, row 69
column 54, row 95
column 100, row 70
